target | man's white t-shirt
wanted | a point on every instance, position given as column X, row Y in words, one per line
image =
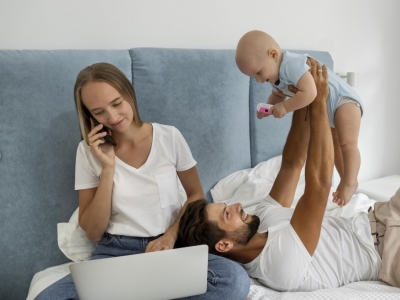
column 145, row 201
column 345, row 252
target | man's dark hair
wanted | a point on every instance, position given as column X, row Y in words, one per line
column 195, row 228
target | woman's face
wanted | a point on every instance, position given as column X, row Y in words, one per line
column 106, row 104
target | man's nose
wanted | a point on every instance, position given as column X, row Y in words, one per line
column 238, row 207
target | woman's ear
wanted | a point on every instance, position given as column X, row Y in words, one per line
column 223, row 246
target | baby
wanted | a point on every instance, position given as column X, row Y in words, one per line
column 259, row 55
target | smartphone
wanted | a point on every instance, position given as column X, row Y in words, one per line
column 108, row 138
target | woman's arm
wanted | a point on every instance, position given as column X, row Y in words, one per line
column 191, row 183
column 95, row 203
column 95, row 206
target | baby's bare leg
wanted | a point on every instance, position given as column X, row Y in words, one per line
column 338, row 153
column 347, row 123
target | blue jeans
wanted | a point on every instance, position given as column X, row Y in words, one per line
column 225, row 279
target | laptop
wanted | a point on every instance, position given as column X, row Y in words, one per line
column 160, row 275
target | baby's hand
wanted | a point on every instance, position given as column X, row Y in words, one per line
column 278, row 110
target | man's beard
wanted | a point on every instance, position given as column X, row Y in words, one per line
column 244, row 234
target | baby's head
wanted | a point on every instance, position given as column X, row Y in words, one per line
column 259, row 55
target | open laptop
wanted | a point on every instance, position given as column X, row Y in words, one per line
column 160, row 275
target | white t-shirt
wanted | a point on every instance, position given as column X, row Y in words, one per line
column 345, row 252
column 145, row 201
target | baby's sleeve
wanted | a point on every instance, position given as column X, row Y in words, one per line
column 293, row 69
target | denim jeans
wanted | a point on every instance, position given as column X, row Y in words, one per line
column 225, row 279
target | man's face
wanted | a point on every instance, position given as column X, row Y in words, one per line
column 239, row 226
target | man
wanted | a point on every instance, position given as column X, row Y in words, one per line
column 293, row 249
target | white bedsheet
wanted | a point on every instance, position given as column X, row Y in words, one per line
column 363, row 290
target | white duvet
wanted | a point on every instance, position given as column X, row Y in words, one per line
column 249, row 187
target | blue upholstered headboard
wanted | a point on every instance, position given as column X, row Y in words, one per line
column 201, row 92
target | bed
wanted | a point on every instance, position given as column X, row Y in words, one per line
column 201, row 92
column 248, row 187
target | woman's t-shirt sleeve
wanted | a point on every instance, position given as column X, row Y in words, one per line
column 184, row 158
column 85, row 175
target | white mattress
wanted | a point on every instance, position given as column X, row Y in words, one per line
column 363, row 290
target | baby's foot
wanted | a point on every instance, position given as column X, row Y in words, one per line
column 344, row 193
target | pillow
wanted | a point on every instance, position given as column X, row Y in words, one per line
column 250, row 186
column 247, row 186
column 72, row 240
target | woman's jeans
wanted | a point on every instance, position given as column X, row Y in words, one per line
column 225, row 279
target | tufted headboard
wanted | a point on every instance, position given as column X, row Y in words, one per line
column 201, row 92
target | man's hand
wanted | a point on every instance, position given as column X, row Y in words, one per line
column 321, row 81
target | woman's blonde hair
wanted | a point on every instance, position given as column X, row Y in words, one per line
column 108, row 73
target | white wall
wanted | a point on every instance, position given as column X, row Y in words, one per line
column 361, row 35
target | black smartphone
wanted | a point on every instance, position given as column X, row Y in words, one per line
column 108, row 138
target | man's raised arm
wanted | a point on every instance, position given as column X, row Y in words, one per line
column 309, row 212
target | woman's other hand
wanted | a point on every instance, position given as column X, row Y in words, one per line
column 164, row 242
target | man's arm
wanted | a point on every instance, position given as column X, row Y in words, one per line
column 308, row 215
column 293, row 158
column 293, row 155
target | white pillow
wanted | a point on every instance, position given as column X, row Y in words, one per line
column 250, row 186
column 72, row 240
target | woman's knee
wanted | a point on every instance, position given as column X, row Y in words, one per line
column 60, row 290
column 228, row 279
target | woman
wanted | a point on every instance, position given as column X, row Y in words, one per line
column 130, row 200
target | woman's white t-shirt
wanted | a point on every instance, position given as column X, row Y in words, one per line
column 345, row 252
column 145, row 201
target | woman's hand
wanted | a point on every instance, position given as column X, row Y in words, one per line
column 164, row 242
column 102, row 150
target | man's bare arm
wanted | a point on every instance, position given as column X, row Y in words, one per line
column 293, row 155
column 293, row 158
column 308, row 215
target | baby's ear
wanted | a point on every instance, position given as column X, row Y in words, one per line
column 273, row 53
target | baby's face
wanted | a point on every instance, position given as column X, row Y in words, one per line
column 266, row 70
